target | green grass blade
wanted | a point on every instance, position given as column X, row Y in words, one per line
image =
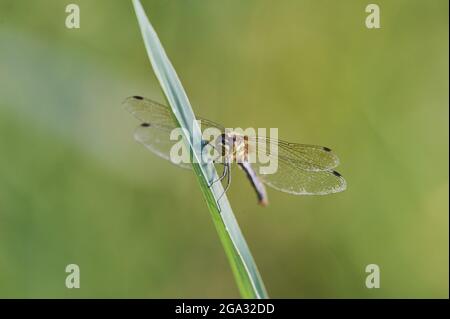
column 244, row 268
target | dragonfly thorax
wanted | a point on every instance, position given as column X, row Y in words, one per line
column 233, row 147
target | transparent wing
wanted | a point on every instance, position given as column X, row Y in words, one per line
column 158, row 141
column 306, row 157
column 302, row 169
column 205, row 123
column 291, row 178
column 157, row 123
column 150, row 112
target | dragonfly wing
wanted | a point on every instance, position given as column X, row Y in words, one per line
column 314, row 157
column 158, row 141
column 290, row 178
column 306, row 157
column 150, row 112
column 157, row 124
column 205, row 123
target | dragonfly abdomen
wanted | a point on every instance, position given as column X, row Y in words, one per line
column 256, row 183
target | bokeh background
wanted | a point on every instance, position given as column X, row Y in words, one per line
column 76, row 188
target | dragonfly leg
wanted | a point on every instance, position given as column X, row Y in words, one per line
column 227, row 165
column 221, row 177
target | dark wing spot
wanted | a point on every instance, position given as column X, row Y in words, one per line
column 327, row 149
column 137, row 97
column 145, row 124
column 336, row 174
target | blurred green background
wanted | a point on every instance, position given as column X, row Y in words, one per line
column 76, row 188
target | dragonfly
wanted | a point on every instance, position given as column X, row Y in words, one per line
column 303, row 169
